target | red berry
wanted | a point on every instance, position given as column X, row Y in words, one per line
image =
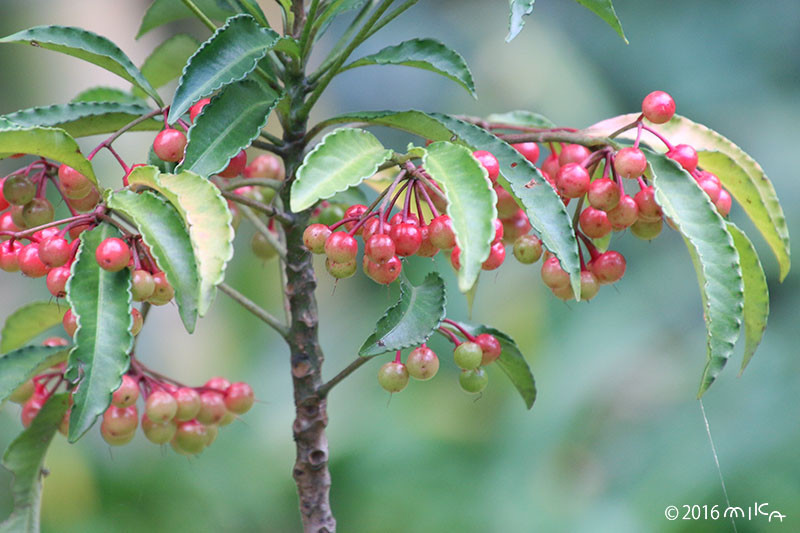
column 371, row 227
column 594, row 223
column 265, row 166
column 711, row 187
column 427, row 248
column 386, row 273
column 197, row 108
column 188, row 401
column 31, row 408
column 218, row 383
column 455, row 258
column 407, row 238
column 572, row 180
column 490, row 346
column 399, row 219
column 630, row 162
column 314, row 237
column 74, row 184
column 422, row 363
column 190, row 438
column 550, row 167
column 685, row 155
column 724, row 203
column 127, row 393
column 75, row 231
column 529, row 151
column 212, row 407
column 649, row 210
column 497, row 254
column 341, row 247
column 70, row 323
column 506, row 204
column 169, row 145
column 3, row 202
column 7, row 223
column 55, row 251
column 9, row 251
column 553, row 275
column 29, row 262
column 658, row 107
column 235, row 166
column 354, row 211
column 498, row 230
column 113, row 254
column 239, row 398
column 489, row 162
column 625, row 214
column 604, row 194
column 608, row 267
column 442, row 234
column 119, row 421
column 379, row 248
column 516, row 226
column 573, row 153
column 57, row 281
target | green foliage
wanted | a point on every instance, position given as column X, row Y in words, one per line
column 426, row 54
column 165, row 11
column 164, row 234
column 522, row 118
column 605, row 10
column 101, row 303
column 470, row 204
column 166, row 62
column 24, row 457
column 334, row 9
column 344, row 158
column 249, row 7
column 29, row 321
column 229, row 55
column 716, row 260
column 53, row 143
column 80, row 119
column 107, row 94
column 207, row 217
column 412, row 320
column 21, row 364
column 87, row 46
column 228, row 124
column 518, row 10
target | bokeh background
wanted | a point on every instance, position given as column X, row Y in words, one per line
column 616, row 434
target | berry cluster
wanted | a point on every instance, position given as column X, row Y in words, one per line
column 188, row 418
column 471, row 355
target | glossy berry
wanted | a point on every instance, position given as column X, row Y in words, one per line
column 506, row 204
column 572, row 180
column 70, row 323
column 379, row 248
column 218, row 383
column 516, row 226
column 29, row 262
column 594, row 223
column 473, row 381
column 608, row 267
column 38, row 212
column 442, row 234
column 341, row 247
column 9, row 251
column 497, row 254
column 169, row 145
column 573, row 153
column 550, row 167
column 314, row 237
column 127, row 393
column 55, row 251
column 197, row 108
column 113, row 254
column 649, row 210
column 188, row 401
column 385, row 273
column 158, row 433
column 427, row 248
column 191, row 437
column 468, row 355
column 55, row 341
column 590, row 286
column 711, row 187
column 724, row 203
column 393, row 377
column 160, row 406
column 528, row 249
column 529, row 151
column 625, row 214
column 400, row 219
column 498, row 230
column 354, row 211
column 212, row 407
column 265, row 166
column 119, row 421
column 685, row 155
column 630, row 162
column 658, row 107
column 489, row 162
column 18, row 189
column 138, row 322
column 490, row 346
column 239, row 397
column 57, row 281
column 163, row 292
column 604, row 194
column 87, row 203
column 7, row 224
column 340, row 270
column 647, row 230
column 422, row 363
column 73, row 183
column 455, row 258
column 142, row 285
column 407, row 238
column 553, row 275
column 235, row 166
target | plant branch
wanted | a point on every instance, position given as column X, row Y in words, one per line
column 235, row 183
column 264, row 230
column 255, row 309
column 200, row 15
column 123, row 129
column 268, row 210
column 352, row 367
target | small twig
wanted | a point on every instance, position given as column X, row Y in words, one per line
column 232, row 184
column 254, row 308
column 284, row 218
column 323, row 389
column 264, row 230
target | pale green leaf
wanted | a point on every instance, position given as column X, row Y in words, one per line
column 52, row 143
column 28, row 322
column 518, row 9
column 80, row 119
column 21, row 364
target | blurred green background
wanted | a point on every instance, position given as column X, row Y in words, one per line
column 616, row 434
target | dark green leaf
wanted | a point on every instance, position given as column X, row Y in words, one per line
column 511, row 362
column 52, row 143
column 24, row 458
column 718, row 268
column 518, row 10
column 205, row 212
column 756, row 293
column 427, row 54
column 101, row 303
column 412, row 320
column 605, row 10
column 107, row 94
column 344, row 158
column 522, row 118
column 470, row 204
column 166, row 11
column 250, row 7
column 87, row 46
column 29, row 321
column 227, row 125
column 227, row 56
column 336, row 8
column 86, row 118
column 166, row 62
column 164, row 233
column 20, row 365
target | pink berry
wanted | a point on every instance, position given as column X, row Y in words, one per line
column 630, row 162
column 529, row 151
column 197, row 108
column 649, row 210
column 127, row 393
column 572, row 153
column 490, row 346
column 443, row 235
column 55, row 251
column 572, row 180
column 608, row 267
column 380, row 248
column 724, row 203
column 29, row 262
column 497, row 254
column 658, row 107
column 624, row 214
column 57, row 281
column 314, row 237
column 594, row 223
column 9, row 260
column 553, row 275
column 235, row 166
column 489, row 162
column 239, row 398
column 407, row 238
column 113, row 254
column 341, row 247
column 169, row 145
column 74, row 184
column 604, row 194
column 685, row 155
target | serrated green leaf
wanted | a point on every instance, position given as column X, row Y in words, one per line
column 228, row 124
column 412, row 320
column 88, row 46
column 52, row 143
column 86, row 118
column 526, row 119
column 344, row 158
column 427, row 54
column 250, row 7
column 29, row 321
column 752, row 190
column 756, row 293
column 160, row 164
column 336, row 8
column 24, row 458
column 511, row 362
column 101, row 302
column 470, row 204
column 229, row 55
column 353, row 195
column 719, row 272
column 166, row 62
column 547, row 213
column 518, row 9
column 164, row 233
column 107, row 94
column 21, row 364
column 205, row 212
column 165, row 11
column 288, row 45
column 605, row 10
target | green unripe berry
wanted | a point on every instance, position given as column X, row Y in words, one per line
column 18, row 190
column 393, row 377
column 473, row 381
column 261, row 247
column 142, row 286
column 468, row 355
column 38, row 212
column 158, row 433
column 528, row 249
column 331, row 214
column 22, row 393
column 647, row 230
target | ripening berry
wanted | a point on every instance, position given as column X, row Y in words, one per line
column 163, row 292
column 29, row 262
column 331, row 214
column 355, row 211
column 604, row 194
column 608, row 267
column 658, row 107
column 55, row 251
column 550, row 167
column 427, row 248
column 127, row 393
column 497, row 254
column 217, row 383
column 379, row 248
column 212, row 407
column 489, row 162
column 38, row 212
column 113, row 254
column 372, row 227
column 443, row 235
column 624, row 214
column 473, row 381
column 3, row 202
column 573, row 153
column 528, row 249
column 647, row 230
column 724, row 203
column 590, row 286
column 18, row 189
column 630, row 162
column 490, row 346
column 239, row 397
column 57, row 281
column 87, row 203
column 16, row 216
column 158, row 433
column 385, row 273
column 74, row 184
column 341, row 247
column 265, row 166
column 649, row 210
column 407, row 238
column 516, row 226
column 553, row 275
column 455, row 258
column 262, row 247
column 197, row 108
column 422, row 363
column 685, row 155
column 393, row 377
column 235, row 166
column 340, row 270
column 190, row 438
column 468, row 355
column 314, row 237
column 9, row 251
column 138, row 322
column 119, row 421
column 498, row 230
column 572, row 180
column 160, row 406
column 169, row 145
column 7, row 224
column 188, row 401
column 142, row 285
column 400, row 219
column 70, row 323
column 506, row 204
column 529, row 151
column 594, row 223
